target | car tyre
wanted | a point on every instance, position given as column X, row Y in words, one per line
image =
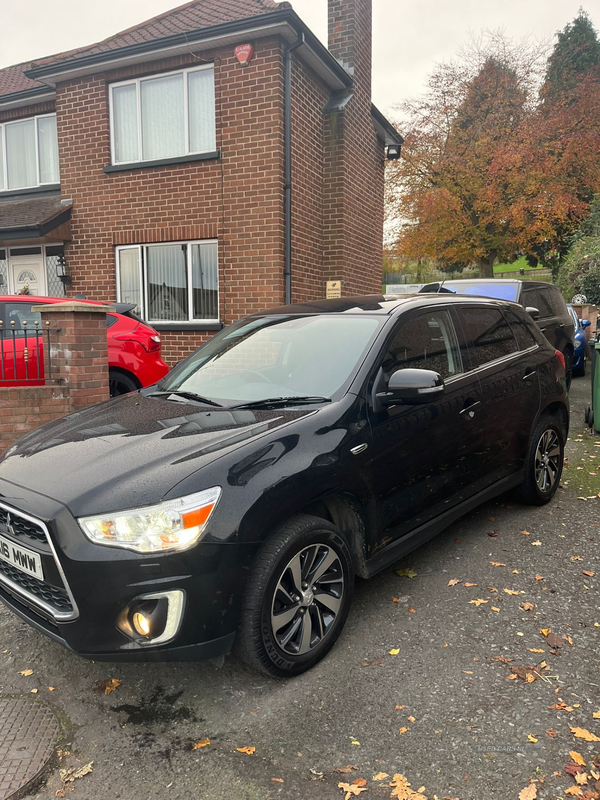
column 120, row 383
column 544, row 462
column 579, row 372
column 297, row 598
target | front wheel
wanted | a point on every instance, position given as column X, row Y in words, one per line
column 297, row 598
column 120, row 383
column 544, row 463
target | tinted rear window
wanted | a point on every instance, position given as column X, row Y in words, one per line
column 522, row 330
column 538, row 298
column 488, row 333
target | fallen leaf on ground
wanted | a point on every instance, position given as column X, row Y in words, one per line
column 573, row 790
column 401, row 789
column 525, row 533
column 596, row 715
column 525, row 673
column 26, row 672
column 527, row 606
column 581, row 733
column 394, row 651
column 551, row 733
column 588, row 573
column 529, row 792
column 510, row 591
column 381, row 776
column 411, row 719
column 576, row 558
column 453, row 582
column 554, row 640
column 544, row 631
column 395, row 600
column 70, row 775
column 531, row 738
column 399, row 708
column 201, row 743
column 573, row 769
column 359, row 782
column 493, row 534
column 350, row 790
column 403, row 730
column 106, row 686
column 412, row 610
column 345, row 770
column 477, row 602
column 502, row 659
column 247, row 750
column 497, row 564
column 355, row 742
column 495, row 609
column 470, row 584
column 375, row 663
column 535, row 650
column 34, row 691
column 467, row 671
column 407, row 572
column 539, row 578
column 577, row 758
column 277, row 780
column 536, row 543
column 581, row 779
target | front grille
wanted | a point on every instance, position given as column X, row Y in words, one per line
column 54, row 603
column 56, row 598
column 22, row 527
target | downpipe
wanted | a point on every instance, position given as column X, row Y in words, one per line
column 287, row 169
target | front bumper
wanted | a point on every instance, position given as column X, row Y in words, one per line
column 103, row 581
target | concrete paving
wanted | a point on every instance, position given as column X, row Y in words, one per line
column 444, row 711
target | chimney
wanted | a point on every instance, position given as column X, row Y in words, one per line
column 350, row 26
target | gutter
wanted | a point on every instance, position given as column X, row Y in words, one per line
column 36, row 230
column 287, row 170
column 27, row 97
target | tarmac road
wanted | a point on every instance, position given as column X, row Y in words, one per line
column 470, row 729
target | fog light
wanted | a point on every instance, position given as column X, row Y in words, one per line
column 153, row 618
column 141, row 623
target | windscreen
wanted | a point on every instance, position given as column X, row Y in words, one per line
column 277, row 356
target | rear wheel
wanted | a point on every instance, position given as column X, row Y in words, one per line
column 544, row 463
column 120, row 383
column 579, row 372
column 297, row 598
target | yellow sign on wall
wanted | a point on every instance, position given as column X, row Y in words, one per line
column 334, row 289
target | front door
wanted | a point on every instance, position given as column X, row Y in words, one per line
column 425, row 458
column 26, row 275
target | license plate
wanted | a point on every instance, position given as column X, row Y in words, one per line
column 21, row 558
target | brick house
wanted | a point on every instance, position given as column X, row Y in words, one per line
column 169, row 167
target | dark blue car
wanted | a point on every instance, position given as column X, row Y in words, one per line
column 580, row 342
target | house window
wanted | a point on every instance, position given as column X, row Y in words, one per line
column 28, row 153
column 175, row 282
column 164, row 116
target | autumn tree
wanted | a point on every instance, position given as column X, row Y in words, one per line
column 447, row 195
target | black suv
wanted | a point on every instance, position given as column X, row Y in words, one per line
column 232, row 504
column 543, row 301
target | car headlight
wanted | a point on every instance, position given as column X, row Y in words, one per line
column 171, row 525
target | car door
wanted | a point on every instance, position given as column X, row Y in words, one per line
column 424, row 458
column 554, row 320
column 507, row 370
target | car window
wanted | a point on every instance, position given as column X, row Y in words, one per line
column 18, row 313
column 573, row 316
column 488, row 333
column 110, row 320
column 499, row 291
column 538, row 298
column 427, row 341
column 522, row 330
column 556, row 301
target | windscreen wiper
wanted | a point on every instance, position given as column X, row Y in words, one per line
column 284, row 401
column 188, row 396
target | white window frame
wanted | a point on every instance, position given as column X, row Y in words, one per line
column 144, row 282
column 3, row 125
column 138, row 96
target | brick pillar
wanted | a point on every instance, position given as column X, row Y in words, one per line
column 350, row 34
column 78, row 353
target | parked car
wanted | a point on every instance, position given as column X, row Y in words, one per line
column 581, row 343
column 543, row 301
column 233, row 504
column 134, row 348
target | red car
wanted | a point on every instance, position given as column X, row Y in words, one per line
column 133, row 347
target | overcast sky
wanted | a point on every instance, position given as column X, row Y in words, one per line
column 409, row 36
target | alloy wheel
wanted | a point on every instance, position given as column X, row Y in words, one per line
column 307, row 599
column 547, row 460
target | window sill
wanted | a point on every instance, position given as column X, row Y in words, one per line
column 162, row 162
column 186, row 326
column 46, row 188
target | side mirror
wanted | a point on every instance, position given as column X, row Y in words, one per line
column 412, row 386
column 585, row 323
column 533, row 312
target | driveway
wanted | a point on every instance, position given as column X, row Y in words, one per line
column 450, row 709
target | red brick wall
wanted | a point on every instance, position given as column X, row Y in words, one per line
column 25, row 408
column 237, row 199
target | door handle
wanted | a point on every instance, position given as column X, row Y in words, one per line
column 530, row 375
column 469, row 408
column 360, row 448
